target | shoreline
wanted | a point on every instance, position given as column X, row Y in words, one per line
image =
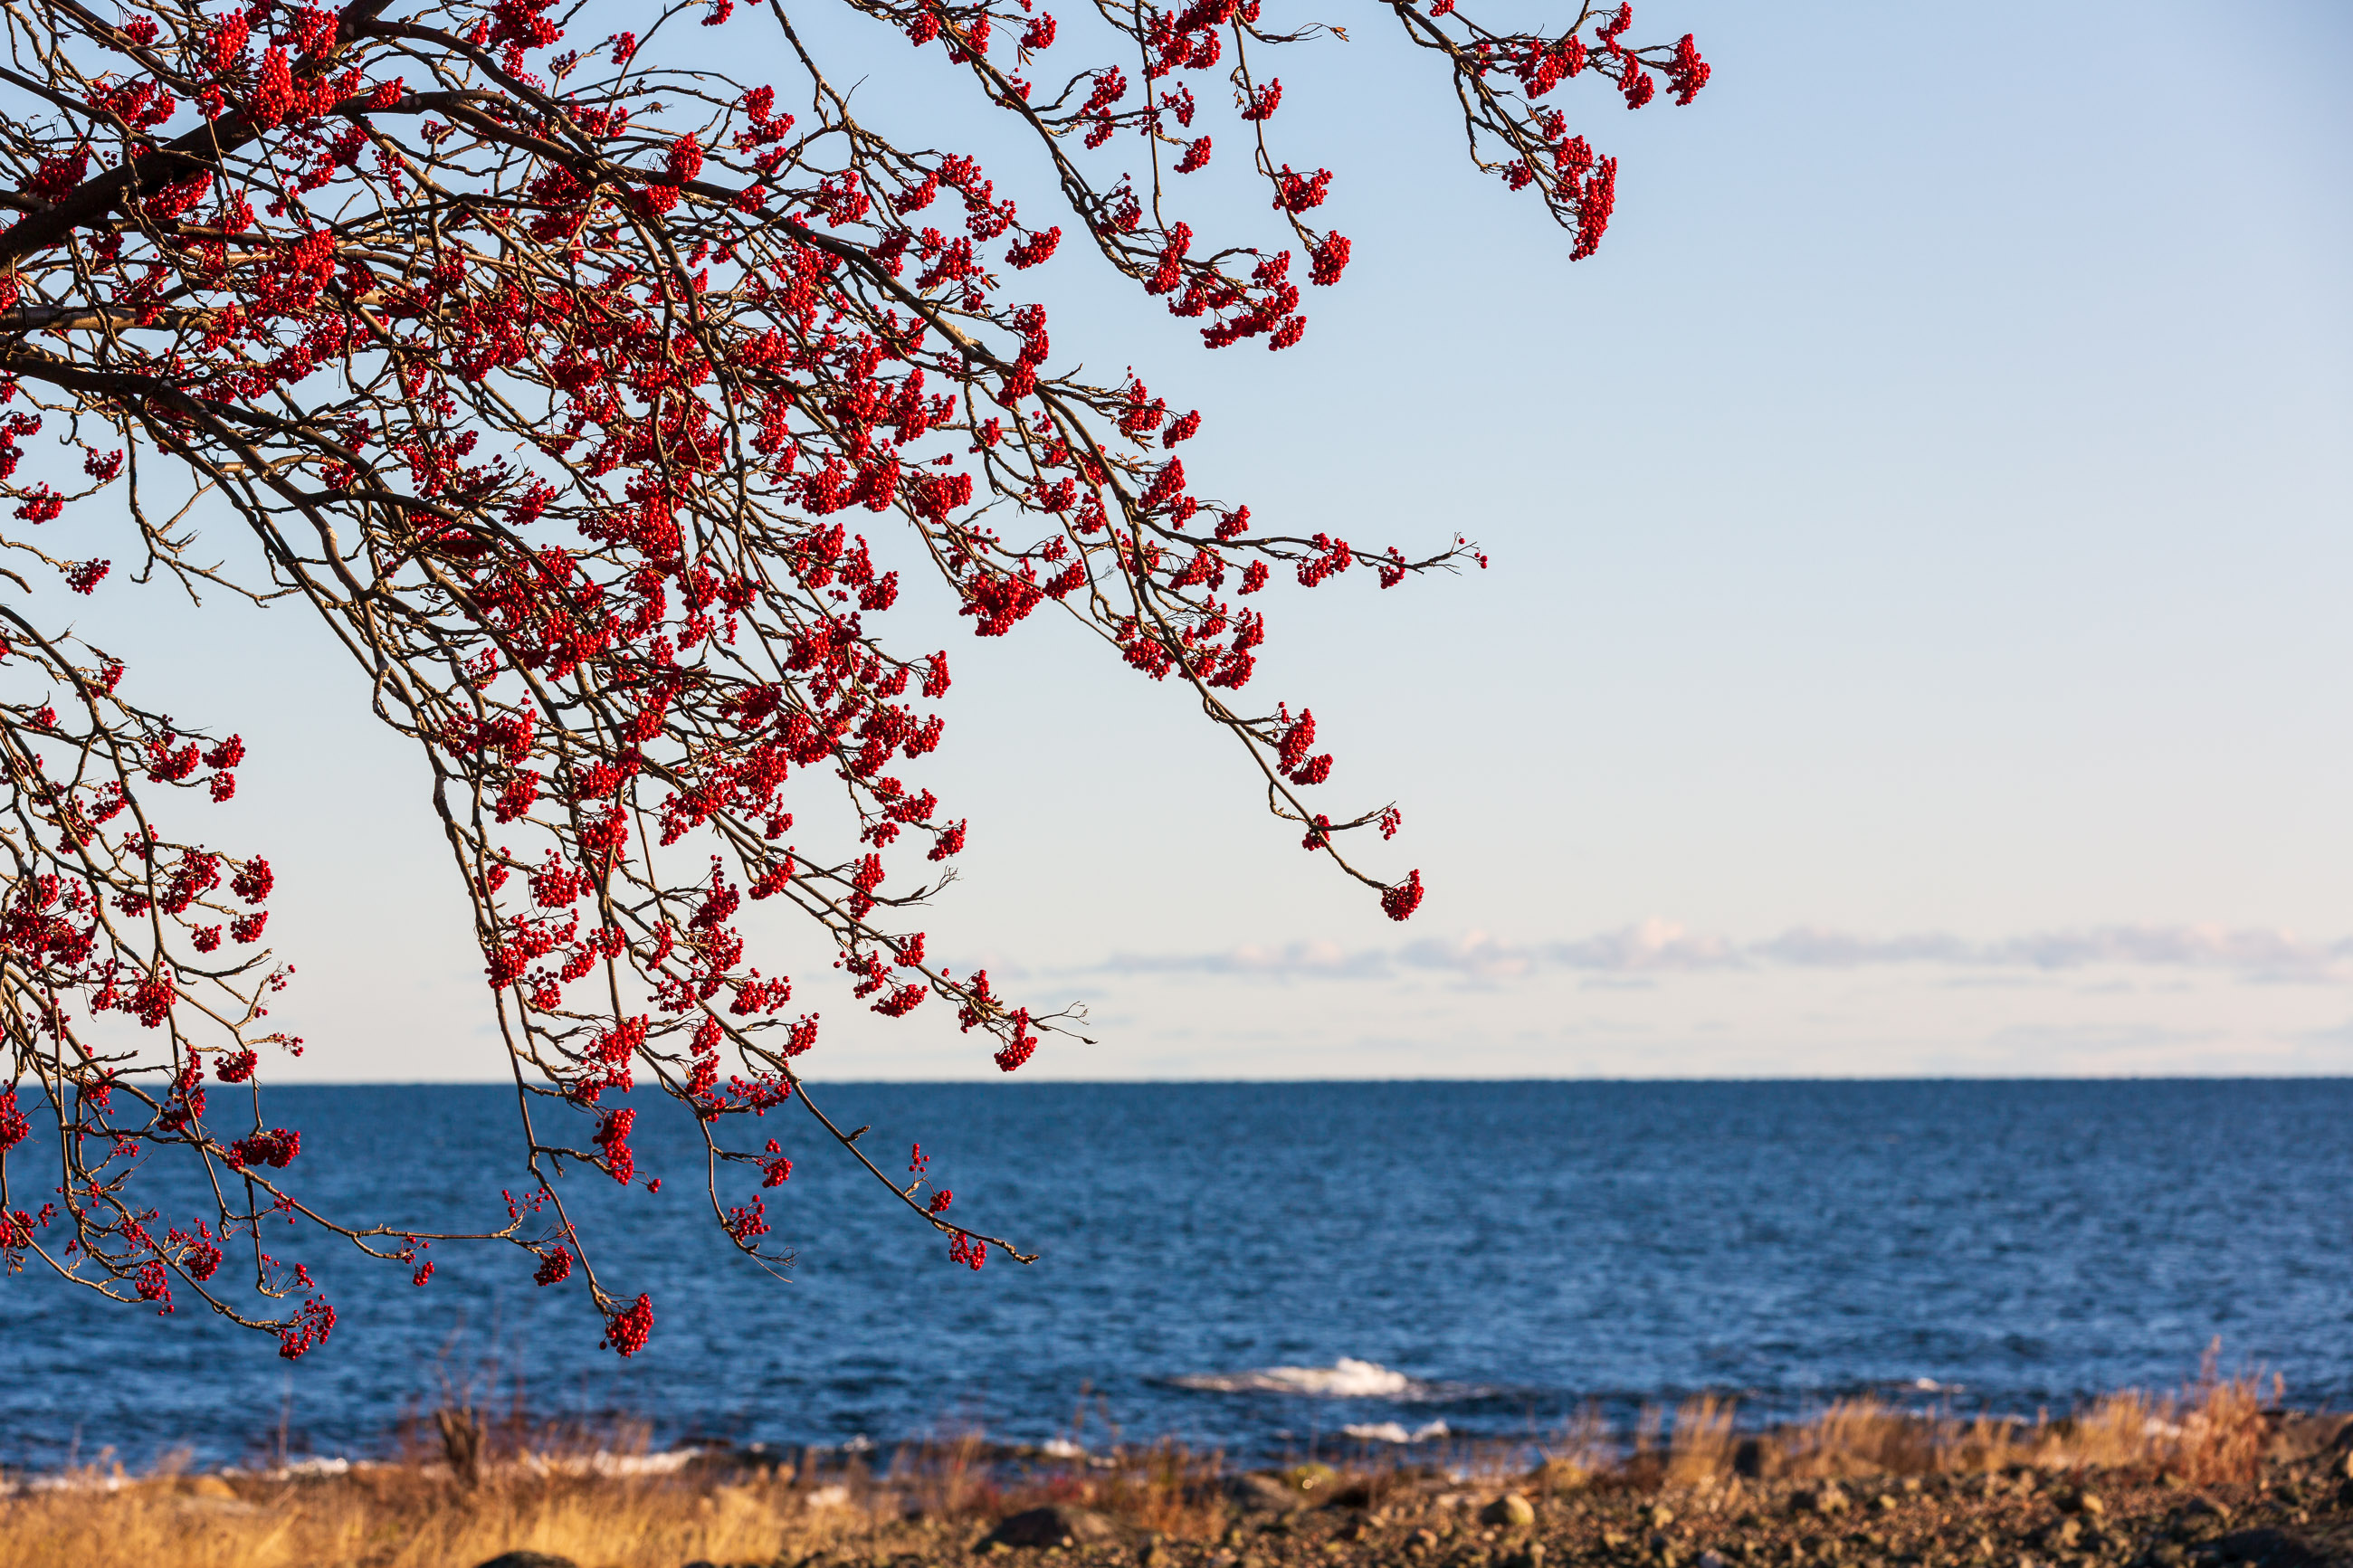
column 2206, row 1478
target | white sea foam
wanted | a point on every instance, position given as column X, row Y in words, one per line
column 1345, row 1379
column 112, row 1480
column 605, row 1463
column 297, row 1468
column 1392, row 1432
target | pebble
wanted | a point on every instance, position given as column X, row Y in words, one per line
column 1511, row 1509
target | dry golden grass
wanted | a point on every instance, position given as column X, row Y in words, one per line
column 398, row 1518
column 415, row 1513
column 2211, row 1432
column 1702, row 1446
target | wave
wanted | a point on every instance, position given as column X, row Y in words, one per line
column 1346, row 1378
column 1394, row 1432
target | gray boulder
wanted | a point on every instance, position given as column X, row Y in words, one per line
column 1255, row 1493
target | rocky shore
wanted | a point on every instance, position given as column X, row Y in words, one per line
column 2296, row 1512
column 2210, row 1484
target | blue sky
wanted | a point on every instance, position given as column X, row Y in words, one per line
column 1916, row 639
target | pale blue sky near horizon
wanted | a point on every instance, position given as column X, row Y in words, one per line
column 1916, row 639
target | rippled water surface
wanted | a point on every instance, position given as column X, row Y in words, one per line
column 1261, row 1266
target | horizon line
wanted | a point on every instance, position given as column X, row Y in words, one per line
column 1521, row 1079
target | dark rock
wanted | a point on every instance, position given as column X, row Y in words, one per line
column 529, row 1559
column 1825, row 1499
column 2267, row 1549
column 1254, row 1493
column 1056, row 1524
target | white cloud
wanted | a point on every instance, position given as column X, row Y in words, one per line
column 1661, row 946
column 1294, row 961
column 2193, row 946
column 1813, row 947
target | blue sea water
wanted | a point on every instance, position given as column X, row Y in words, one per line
column 1258, row 1267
